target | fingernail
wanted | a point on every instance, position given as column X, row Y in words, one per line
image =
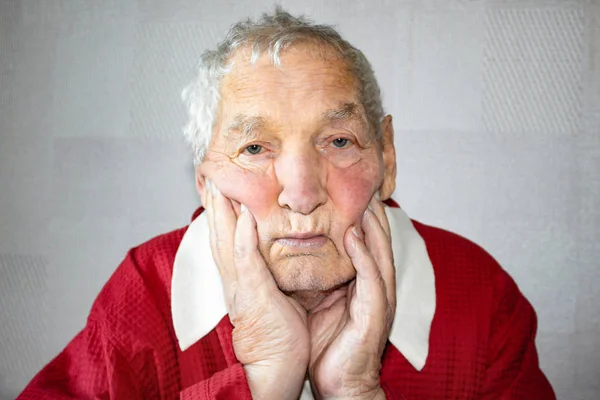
column 243, row 208
column 370, row 206
column 377, row 195
column 357, row 232
column 213, row 189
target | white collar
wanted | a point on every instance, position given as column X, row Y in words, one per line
column 197, row 303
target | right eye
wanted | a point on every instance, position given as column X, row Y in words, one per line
column 254, row 149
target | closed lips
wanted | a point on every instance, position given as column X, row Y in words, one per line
column 303, row 241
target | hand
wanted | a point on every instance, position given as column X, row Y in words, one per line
column 270, row 337
column 349, row 330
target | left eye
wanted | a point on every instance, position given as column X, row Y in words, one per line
column 254, row 149
column 340, row 142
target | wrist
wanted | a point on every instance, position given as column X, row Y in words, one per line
column 379, row 395
column 375, row 394
column 280, row 381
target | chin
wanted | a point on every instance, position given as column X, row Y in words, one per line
column 311, row 274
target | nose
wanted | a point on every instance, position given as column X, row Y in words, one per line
column 302, row 179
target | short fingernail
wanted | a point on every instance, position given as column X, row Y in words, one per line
column 357, row 232
column 243, row 208
column 377, row 196
column 371, row 204
column 213, row 189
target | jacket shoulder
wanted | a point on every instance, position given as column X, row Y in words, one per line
column 157, row 254
column 141, row 284
column 464, row 270
column 449, row 250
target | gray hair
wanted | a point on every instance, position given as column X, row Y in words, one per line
column 272, row 33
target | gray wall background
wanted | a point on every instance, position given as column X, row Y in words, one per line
column 497, row 113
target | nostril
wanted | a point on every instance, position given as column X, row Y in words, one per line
column 302, row 184
column 303, row 200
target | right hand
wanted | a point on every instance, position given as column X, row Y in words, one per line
column 270, row 335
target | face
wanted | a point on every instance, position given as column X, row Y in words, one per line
column 293, row 145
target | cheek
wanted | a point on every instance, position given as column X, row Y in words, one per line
column 255, row 189
column 351, row 189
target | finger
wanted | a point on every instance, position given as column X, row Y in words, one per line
column 236, row 208
column 369, row 287
column 380, row 248
column 224, row 214
column 248, row 261
column 210, row 215
column 215, row 237
column 222, row 222
column 212, row 223
column 379, row 209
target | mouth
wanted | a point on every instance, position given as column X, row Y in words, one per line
column 303, row 241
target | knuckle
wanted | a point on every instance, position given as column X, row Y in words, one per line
column 220, row 243
column 239, row 251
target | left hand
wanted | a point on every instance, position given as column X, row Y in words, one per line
column 350, row 329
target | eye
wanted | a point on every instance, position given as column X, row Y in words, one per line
column 340, row 143
column 254, row 149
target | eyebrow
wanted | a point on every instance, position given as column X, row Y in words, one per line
column 246, row 125
column 349, row 111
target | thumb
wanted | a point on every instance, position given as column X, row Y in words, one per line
column 253, row 274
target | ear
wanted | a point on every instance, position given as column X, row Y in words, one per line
column 200, row 183
column 389, row 159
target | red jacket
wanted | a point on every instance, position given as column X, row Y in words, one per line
column 481, row 344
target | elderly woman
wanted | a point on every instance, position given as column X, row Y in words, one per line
column 301, row 277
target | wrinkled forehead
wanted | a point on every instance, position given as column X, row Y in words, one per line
column 304, row 62
column 310, row 82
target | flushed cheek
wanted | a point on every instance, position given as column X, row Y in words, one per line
column 255, row 189
column 351, row 189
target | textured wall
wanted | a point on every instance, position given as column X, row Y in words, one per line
column 497, row 114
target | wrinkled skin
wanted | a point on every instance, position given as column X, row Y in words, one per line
column 292, row 146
